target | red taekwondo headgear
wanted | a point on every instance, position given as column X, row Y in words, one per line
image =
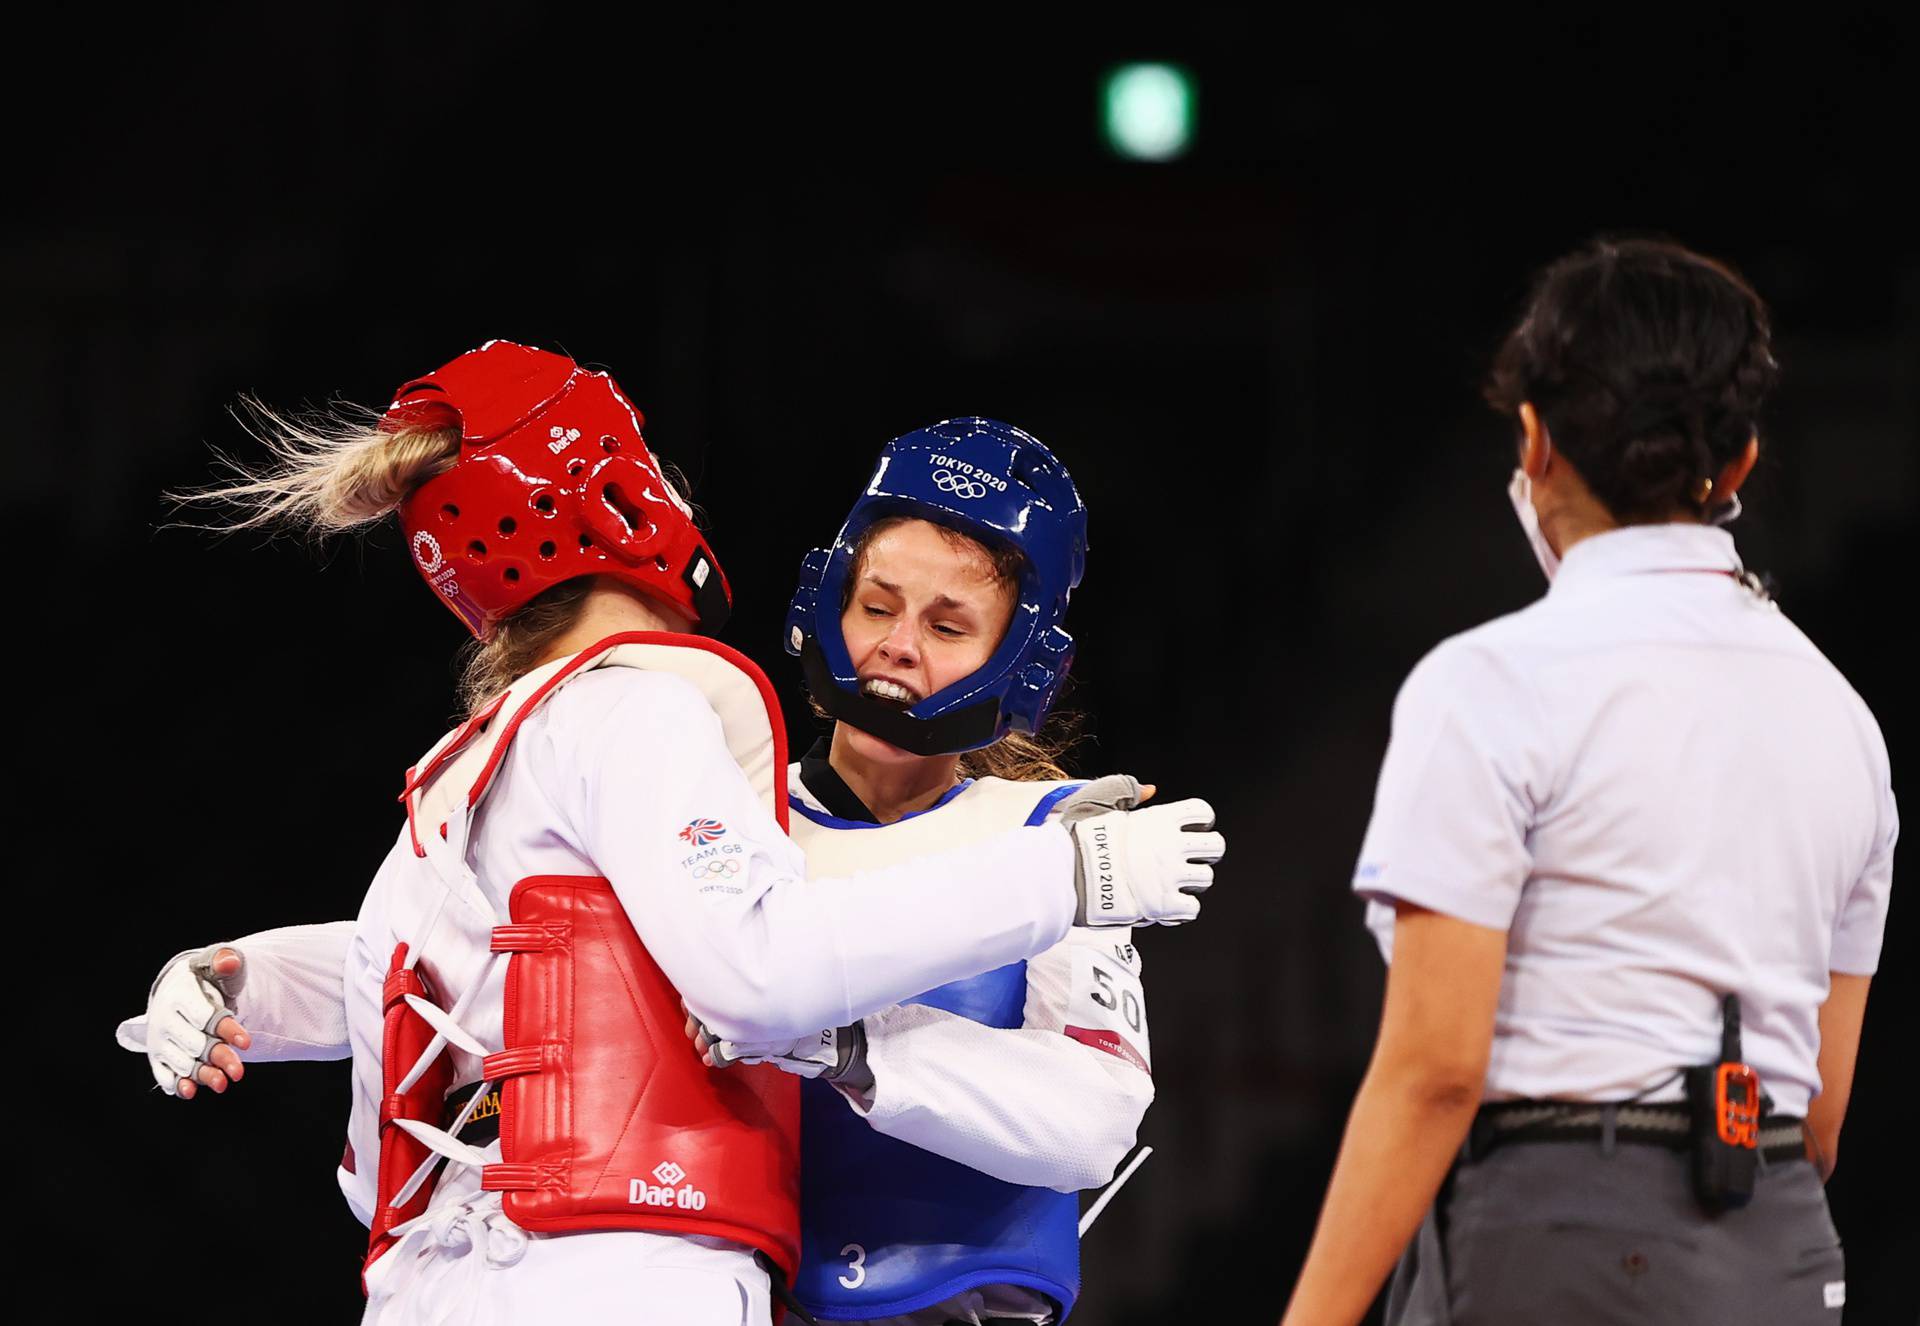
column 553, row 481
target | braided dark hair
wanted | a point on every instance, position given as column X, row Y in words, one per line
column 1648, row 364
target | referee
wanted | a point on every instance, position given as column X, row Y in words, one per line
column 1629, row 860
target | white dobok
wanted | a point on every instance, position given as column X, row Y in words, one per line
column 606, row 778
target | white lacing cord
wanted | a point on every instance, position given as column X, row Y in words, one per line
column 1100, row 1204
column 444, row 1143
column 446, row 1027
column 455, row 1224
column 449, row 863
column 437, row 1141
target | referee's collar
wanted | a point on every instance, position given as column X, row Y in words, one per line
column 1640, row 549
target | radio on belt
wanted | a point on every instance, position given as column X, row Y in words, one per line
column 1727, row 1106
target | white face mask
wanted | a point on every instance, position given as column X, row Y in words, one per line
column 1520, row 493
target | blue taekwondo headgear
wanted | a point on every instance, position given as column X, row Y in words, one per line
column 991, row 482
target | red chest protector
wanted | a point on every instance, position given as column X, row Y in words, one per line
column 608, row 1119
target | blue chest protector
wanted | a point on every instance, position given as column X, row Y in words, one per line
column 887, row 1229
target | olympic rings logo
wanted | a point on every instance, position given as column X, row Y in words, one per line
column 719, row 868
column 949, row 482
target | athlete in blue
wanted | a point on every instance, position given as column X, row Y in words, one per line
column 945, row 1140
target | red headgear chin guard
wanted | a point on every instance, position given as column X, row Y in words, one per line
column 553, row 481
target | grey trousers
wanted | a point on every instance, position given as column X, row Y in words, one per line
column 1564, row 1232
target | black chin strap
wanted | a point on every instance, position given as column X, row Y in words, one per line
column 961, row 730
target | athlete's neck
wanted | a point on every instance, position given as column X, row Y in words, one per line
column 891, row 789
column 609, row 608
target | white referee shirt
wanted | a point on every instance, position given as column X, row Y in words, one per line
column 1664, row 794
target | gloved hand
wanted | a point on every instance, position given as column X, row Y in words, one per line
column 838, row 1054
column 189, row 1032
column 1145, row 866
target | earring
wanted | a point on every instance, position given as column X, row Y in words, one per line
column 1702, row 491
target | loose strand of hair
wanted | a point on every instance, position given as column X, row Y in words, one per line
column 326, row 471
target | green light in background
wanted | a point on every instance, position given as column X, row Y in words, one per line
column 1147, row 111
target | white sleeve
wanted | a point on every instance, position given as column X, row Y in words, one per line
column 1464, row 775
column 292, row 1003
column 762, row 952
column 1861, row 925
column 1055, row 1103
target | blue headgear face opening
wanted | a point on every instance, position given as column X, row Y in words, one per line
column 994, row 483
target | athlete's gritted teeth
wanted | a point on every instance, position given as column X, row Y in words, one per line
column 893, row 692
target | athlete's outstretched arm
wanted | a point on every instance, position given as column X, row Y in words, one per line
column 282, row 989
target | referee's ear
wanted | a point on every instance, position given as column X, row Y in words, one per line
column 1536, row 447
column 1736, row 470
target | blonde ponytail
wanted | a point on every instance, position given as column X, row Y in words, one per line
column 327, row 472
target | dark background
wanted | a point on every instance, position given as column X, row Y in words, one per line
column 791, row 242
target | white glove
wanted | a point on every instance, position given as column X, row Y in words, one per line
column 182, row 1025
column 1139, row 867
column 838, row 1054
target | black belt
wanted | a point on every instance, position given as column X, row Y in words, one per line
column 1781, row 1138
column 484, row 1126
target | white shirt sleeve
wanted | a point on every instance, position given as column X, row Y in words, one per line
column 1055, row 1103
column 1464, row 775
column 1862, row 922
column 292, row 1003
column 766, row 953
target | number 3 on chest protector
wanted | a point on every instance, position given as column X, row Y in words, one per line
column 856, row 1263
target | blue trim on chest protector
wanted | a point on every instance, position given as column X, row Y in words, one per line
column 1050, row 800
